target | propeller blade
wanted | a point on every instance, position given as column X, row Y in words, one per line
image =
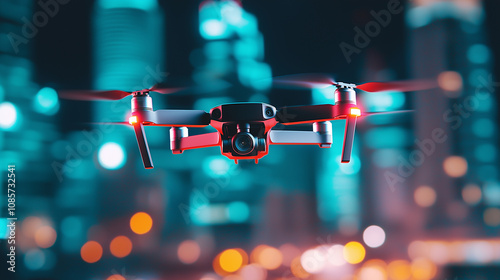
column 90, row 95
column 309, row 80
column 410, row 85
column 167, row 90
column 386, row 113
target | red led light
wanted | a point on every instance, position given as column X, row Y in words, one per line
column 355, row 112
column 132, row 120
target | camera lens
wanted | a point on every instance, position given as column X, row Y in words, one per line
column 269, row 112
column 243, row 143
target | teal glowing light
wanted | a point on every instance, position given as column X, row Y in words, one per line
column 491, row 193
column 386, row 157
column 478, row 53
column 4, row 230
column 2, row 92
column 34, row 259
column 214, row 29
column 255, row 74
column 238, row 212
column 217, row 50
column 9, row 116
column 391, row 100
column 249, row 48
column 46, row 101
column 72, row 226
column 352, row 167
column 216, row 166
column 485, row 152
column 387, row 137
column 111, row 156
column 135, row 4
column 483, row 128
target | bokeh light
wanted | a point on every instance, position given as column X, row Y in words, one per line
column 45, row 236
column 141, row 223
column 34, row 259
column 425, row 196
column 374, row 236
column 297, row 269
column 238, row 211
column 253, row 272
column 314, row 260
column 336, row 255
column 91, row 252
column 450, row 81
column 188, row 251
column 8, row 115
column 373, row 270
column 478, row 53
column 116, row 277
column 455, row 166
column 46, row 101
column 120, row 246
column 472, row 194
column 270, row 258
column 399, row 270
column 491, row 217
column 111, row 156
column 354, row 252
column 423, row 269
column 231, row 260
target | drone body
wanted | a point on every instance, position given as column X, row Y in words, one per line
column 244, row 130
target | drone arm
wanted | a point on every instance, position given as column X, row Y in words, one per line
column 350, row 127
column 321, row 135
column 180, row 141
column 173, row 118
column 143, row 145
column 313, row 113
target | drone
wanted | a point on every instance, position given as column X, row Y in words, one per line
column 245, row 130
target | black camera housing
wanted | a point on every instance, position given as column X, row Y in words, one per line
column 243, row 128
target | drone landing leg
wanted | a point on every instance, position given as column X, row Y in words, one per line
column 350, row 127
column 143, row 145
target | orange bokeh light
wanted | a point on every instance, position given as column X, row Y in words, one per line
column 270, row 258
column 425, row 196
column 45, row 236
column 455, row 166
column 450, row 81
column 297, row 269
column 141, row 223
column 231, row 260
column 116, row 277
column 120, row 246
column 91, row 251
column 423, row 269
column 399, row 270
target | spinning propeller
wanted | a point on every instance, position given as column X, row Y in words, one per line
column 90, row 95
column 345, row 101
column 325, row 80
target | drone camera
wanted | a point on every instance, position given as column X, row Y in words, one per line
column 245, row 141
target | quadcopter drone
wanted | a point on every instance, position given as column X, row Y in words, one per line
column 245, row 130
